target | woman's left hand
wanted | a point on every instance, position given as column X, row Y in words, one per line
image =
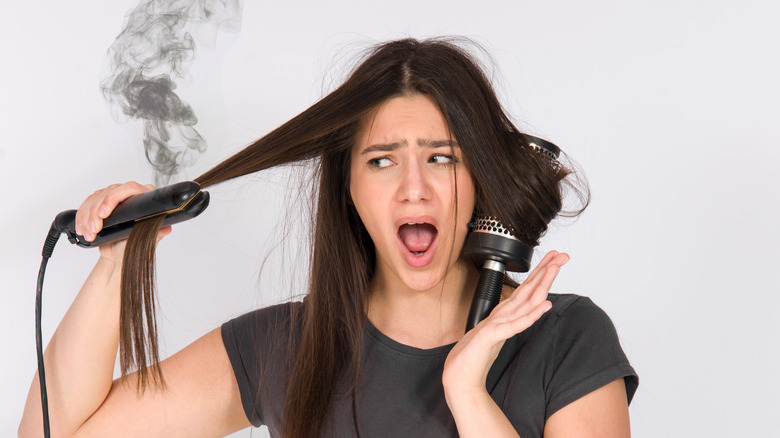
column 467, row 365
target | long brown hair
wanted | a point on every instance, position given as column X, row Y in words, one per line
column 512, row 182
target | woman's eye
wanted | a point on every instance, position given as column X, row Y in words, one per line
column 380, row 162
column 442, row 159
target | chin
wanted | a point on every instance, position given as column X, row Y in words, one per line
column 425, row 281
column 422, row 285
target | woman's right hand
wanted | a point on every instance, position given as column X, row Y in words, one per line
column 98, row 206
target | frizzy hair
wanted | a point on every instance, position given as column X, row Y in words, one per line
column 512, row 181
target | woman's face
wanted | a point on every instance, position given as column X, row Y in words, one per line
column 402, row 183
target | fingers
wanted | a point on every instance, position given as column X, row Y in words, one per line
column 164, row 231
column 99, row 205
column 502, row 327
column 529, row 295
column 522, row 322
column 552, row 257
column 527, row 304
column 527, row 300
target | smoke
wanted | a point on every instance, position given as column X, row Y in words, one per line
column 155, row 48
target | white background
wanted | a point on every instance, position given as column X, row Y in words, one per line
column 671, row 108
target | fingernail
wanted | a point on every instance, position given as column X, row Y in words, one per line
column 565, row 261
column 548, row 307
column 102, row 211
column 92, row 226
column 78, row 229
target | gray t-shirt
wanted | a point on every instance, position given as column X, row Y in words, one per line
column 572, row 350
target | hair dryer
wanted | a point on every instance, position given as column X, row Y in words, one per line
column 497, row 250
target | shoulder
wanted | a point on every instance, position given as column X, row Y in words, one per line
column 571, row 312
column 266, row 318
column 262, row 329
column 571, row 316
column 563, row 303
column 571, row 351
column 281, row 310
column 585, row 351
column 577, row 326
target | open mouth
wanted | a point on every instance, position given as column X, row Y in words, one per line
column 417, row 237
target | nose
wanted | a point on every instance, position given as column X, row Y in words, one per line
column 414, row 185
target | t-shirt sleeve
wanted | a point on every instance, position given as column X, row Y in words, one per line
column 587, row 355
column 256, row 344
column 241, row 358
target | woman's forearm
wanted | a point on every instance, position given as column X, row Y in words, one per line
column 80, row 356
column 477, row 415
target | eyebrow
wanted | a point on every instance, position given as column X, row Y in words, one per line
column 387, row 147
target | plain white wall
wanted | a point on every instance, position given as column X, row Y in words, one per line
column 670, row 107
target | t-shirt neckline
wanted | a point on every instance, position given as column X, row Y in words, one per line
column 389, row 342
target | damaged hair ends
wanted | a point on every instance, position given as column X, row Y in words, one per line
column 137, row 316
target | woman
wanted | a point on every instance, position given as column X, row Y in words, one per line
column 407, row 150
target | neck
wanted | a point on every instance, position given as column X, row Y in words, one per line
column 424, row 319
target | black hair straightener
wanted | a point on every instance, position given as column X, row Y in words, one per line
column 179, row 202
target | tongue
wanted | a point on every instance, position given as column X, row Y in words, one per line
column 418, row 237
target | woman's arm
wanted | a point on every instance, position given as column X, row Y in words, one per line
column 601, row 413
column 201, row 398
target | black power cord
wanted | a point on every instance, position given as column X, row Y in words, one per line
column 39, row 347
column 57, row 228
